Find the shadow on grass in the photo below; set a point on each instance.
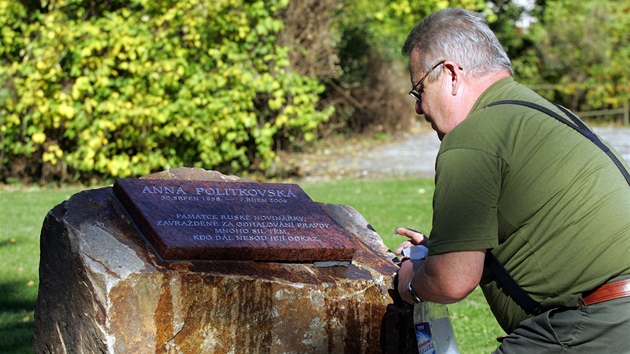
(16, 320)
(5, 243)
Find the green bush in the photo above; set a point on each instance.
(127, 88)
(583, 49)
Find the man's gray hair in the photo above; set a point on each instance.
(461, 36)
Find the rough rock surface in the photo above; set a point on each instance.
(102, 289)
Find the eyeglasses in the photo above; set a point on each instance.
(417, 94)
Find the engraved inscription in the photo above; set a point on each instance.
(216, 220)
(246, 227)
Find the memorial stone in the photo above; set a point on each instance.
(103, 289)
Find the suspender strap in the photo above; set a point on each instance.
(578, 125)
(516, 292)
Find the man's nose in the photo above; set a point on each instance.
(419, 108)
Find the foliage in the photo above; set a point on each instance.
(370, 95)
(583, 48)
(503, 21)
(126, 88)
(389, 22)
(112, 89)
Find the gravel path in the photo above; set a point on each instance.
(413, 156)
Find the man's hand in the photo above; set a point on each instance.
(415, 238)
(443, 278)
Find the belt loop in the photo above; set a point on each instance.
(581, 301)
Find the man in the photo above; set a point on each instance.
(548, 203)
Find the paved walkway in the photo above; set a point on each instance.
(414, 156)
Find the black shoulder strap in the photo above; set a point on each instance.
(578, 125)
(515, 291)
(504, 278)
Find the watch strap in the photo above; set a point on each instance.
(413, 294)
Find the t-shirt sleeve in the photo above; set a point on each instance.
(467, 188)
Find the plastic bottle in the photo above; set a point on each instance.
(434, 331)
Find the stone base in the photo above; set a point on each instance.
(102, 289)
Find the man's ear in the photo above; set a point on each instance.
(456, 74)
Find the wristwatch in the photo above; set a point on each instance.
(413, 294)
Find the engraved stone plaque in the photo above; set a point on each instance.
(244, 221)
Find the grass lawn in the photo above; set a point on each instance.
(385, 204)
(22, 213)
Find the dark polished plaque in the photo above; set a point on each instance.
(245, 221)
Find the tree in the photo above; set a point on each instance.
(370, 94)
(505, 20)
(584, 50)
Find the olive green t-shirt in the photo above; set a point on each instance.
(552, 206)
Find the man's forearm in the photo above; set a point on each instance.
(449, 277)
